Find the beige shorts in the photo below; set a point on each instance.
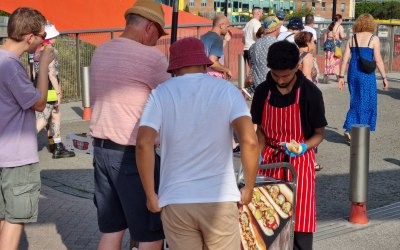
(202, 226)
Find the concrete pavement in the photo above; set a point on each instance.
(67, 216)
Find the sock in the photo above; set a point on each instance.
(57, 139)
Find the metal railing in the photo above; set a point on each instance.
(76, 48)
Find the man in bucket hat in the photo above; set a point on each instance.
(195, 114)
(123, 72)
(259, 51)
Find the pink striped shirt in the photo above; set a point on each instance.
(122, 74)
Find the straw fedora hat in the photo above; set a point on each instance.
(150, 10)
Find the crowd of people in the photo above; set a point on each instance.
(186, 193)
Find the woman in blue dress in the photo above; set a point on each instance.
(362, 86)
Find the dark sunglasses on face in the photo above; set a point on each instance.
(43, 36)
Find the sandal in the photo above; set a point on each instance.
(318, 167)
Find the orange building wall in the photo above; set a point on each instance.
(95, 14)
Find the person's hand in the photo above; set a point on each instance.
(152, 203)
(341, 84)
(385, 84)
(228, 74)
(59, 97)
(291, 154)
(47, 55)
(246, 195)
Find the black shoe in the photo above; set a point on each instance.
(61, 152)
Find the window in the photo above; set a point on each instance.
(204, 3)
(342, 7)
(303, 5)
(191, 3)
(323, 6)
(313, 6)
(331, 6)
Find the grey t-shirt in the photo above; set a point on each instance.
(214, 45)
(17, 120)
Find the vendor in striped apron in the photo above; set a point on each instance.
(287, 106)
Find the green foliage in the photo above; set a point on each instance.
(3, 13)
(385, 10)
(299, 13)
(186, 8)
(199, 13)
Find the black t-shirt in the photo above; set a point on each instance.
(312, 110)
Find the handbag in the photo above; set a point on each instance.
(366, 66)
(338, 51)
(51, 95)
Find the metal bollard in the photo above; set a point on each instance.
(241, 71)
(85, 79)
(359, 168)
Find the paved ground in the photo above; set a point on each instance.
(67, 216)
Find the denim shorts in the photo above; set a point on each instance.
(19, 196)
(120, 198)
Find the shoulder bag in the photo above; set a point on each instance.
(366, 66)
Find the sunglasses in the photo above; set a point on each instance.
(43, 36)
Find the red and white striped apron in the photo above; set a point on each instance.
(283, 125)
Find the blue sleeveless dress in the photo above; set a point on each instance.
(363, 92)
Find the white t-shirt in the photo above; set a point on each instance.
(289, 36)
(312, 30)
(193, 114)
(250, 31)
(282, 29)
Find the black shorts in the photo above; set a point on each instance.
(119, 195)
(246, 56)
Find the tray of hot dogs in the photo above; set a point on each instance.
(267, 221)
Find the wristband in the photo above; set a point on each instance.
(341, 77)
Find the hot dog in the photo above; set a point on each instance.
(281, 198)
(294, 147)
(250, 234)
(264, 213)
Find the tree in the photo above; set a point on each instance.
(385, 10)
(186, 8)
(300, 13)
(3, 13)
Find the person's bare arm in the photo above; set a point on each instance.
(145, 159)
(379, 62)
(249, 154)
(346, 58)
(42, 84)
(307, 66)
(341, 32)
(316, 138)
(260, 138)
(219, 67)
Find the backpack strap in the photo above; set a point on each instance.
(288, 36)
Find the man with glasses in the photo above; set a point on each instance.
(214, 47)
(19, 99)
(123, 72)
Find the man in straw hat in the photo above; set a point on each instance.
(123, 72)
(195, 114)
(19, 99)
(259, 50)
